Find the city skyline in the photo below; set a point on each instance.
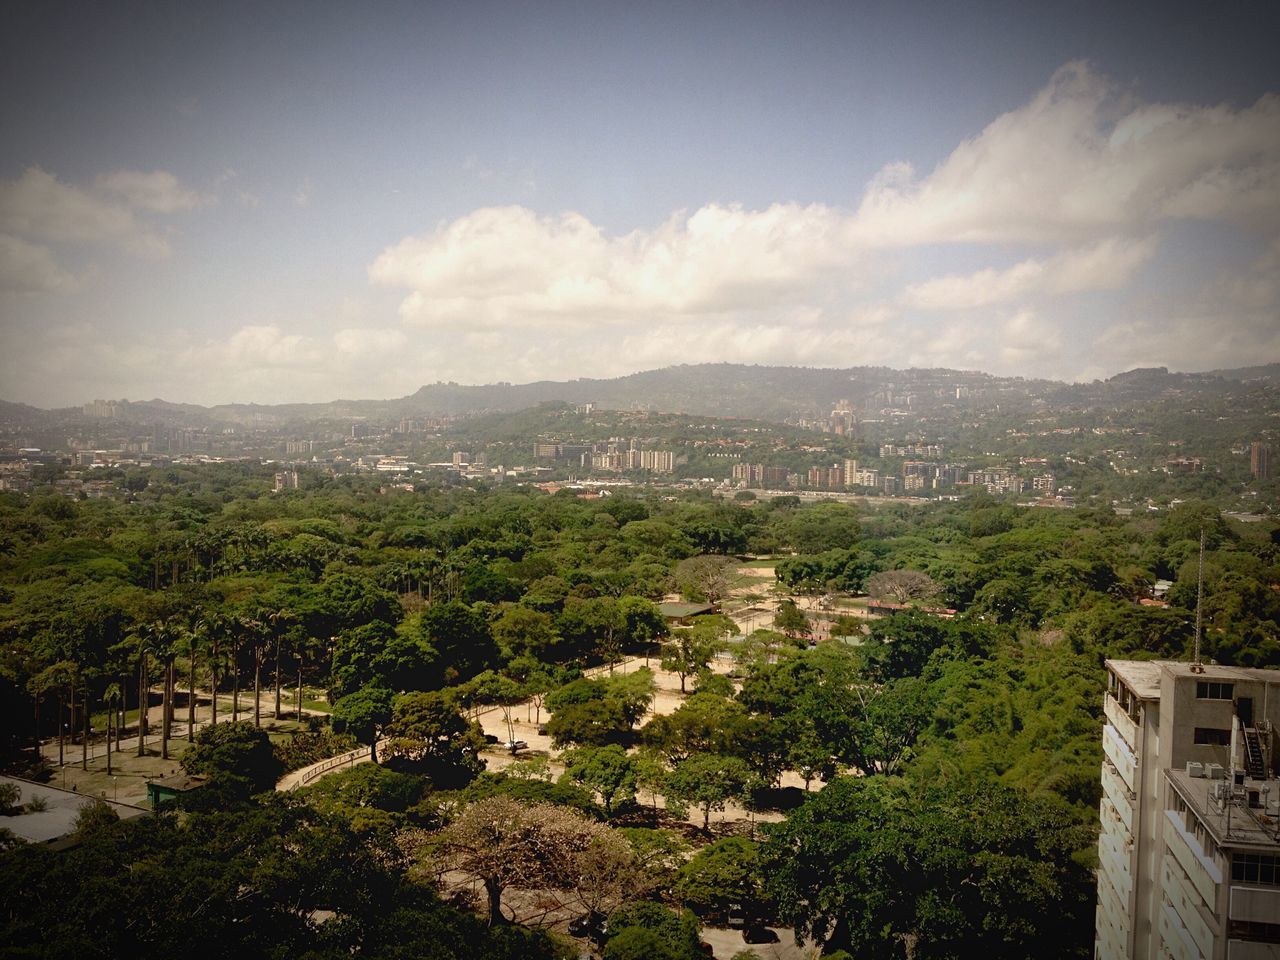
(297, 204)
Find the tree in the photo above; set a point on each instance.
(707, 782)
(823, 526)
(607, 770)
(363, 714)
(461, 640)
(521, 631)
(790, 619)
(650, 931)
(901, 585)
(427, 731)
(642, 622)
(705, 577)
(494, 688)
(687, 653)
(726, 872)
(237, 757)
(501, 842)
(878, 866)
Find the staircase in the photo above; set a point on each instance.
(1253, 754)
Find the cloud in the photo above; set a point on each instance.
(1233, 321)
(30, 268)
(1080, 161)
(507, 265)
(157, 191)
(367, 342)
(37, 205)
(1027, 341)
(1106, 265)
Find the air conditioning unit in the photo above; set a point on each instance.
(1213, 771)
(1195, 769)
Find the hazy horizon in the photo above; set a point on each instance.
(569, 380)
(298, 203)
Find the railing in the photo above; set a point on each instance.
(320, 769)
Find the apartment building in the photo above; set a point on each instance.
(1189, 852)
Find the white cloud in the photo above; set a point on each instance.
(1107, 265)
(506, 265)
(37, 205)
(369, 342)
(30, 268)
(1078, 161)
(158, 191)
(1233, 321)
(1027, 341)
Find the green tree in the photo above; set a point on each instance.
(707, 782)
(725, 872)
(874, 866)
(363, 714)
(608, 771)
(427, 732)
(237, 758)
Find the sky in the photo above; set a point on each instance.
(283, 202)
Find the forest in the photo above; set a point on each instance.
(922, 783)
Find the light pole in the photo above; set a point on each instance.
(115, 788)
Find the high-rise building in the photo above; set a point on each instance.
(1189, 853)
(1260, 460)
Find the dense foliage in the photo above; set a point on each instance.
(970, 717)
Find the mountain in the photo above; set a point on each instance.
(707, 389)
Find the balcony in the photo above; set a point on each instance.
(1121, 755)
(1254, 904)
(1121, 721)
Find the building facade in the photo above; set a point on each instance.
(1189, 851)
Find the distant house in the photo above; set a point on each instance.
(683, 612)
(170, 788)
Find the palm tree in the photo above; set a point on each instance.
(218, 626)
(161, 638)
(111, 696)
(258, 638)
(279, 621)
(192, 637)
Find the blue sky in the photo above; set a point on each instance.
(299, 202)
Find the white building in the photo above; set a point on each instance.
(1189, 852)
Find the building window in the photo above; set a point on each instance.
(1207, 690)
(1256, 868)
(1213, 737)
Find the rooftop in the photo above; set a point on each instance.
(1143, 676)
(1248, 827)
(58, 817)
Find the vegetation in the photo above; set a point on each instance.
(949, 764)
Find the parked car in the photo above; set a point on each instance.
(759, 933)
(490, 738)
(542, 729)
(706, 949)
(594, 925)
(516, 745)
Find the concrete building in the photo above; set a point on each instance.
(1260, 460)
(1189, 852)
